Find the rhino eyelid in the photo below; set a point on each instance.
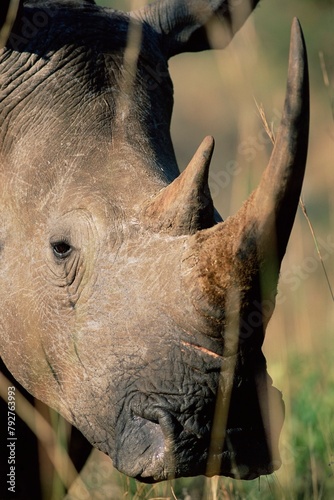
(61, 249)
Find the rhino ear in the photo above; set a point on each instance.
(195, 25)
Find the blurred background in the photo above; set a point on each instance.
(218, 93)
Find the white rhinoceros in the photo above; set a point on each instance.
(127, 304)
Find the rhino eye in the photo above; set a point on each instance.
(61, 249)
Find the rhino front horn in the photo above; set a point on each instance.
(185, 206)
(244, 253)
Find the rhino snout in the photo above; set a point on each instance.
(157, 440)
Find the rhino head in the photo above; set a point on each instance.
(127, 304)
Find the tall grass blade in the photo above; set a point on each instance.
(303, 207)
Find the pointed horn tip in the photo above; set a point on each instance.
(297, 43)
(295, 22)
(296, 26)
(201, 160)
(298, 78)
(209, 140)
(208, 143)
(206, 148)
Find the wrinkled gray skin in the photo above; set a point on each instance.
(123, 321)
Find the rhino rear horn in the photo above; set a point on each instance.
(185, 206)
(189, 25)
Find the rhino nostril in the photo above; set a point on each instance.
(164, 430)
(162, 418)
(170, 427)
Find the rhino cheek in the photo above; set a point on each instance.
(35, 342)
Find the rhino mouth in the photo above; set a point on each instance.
(153, 450)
